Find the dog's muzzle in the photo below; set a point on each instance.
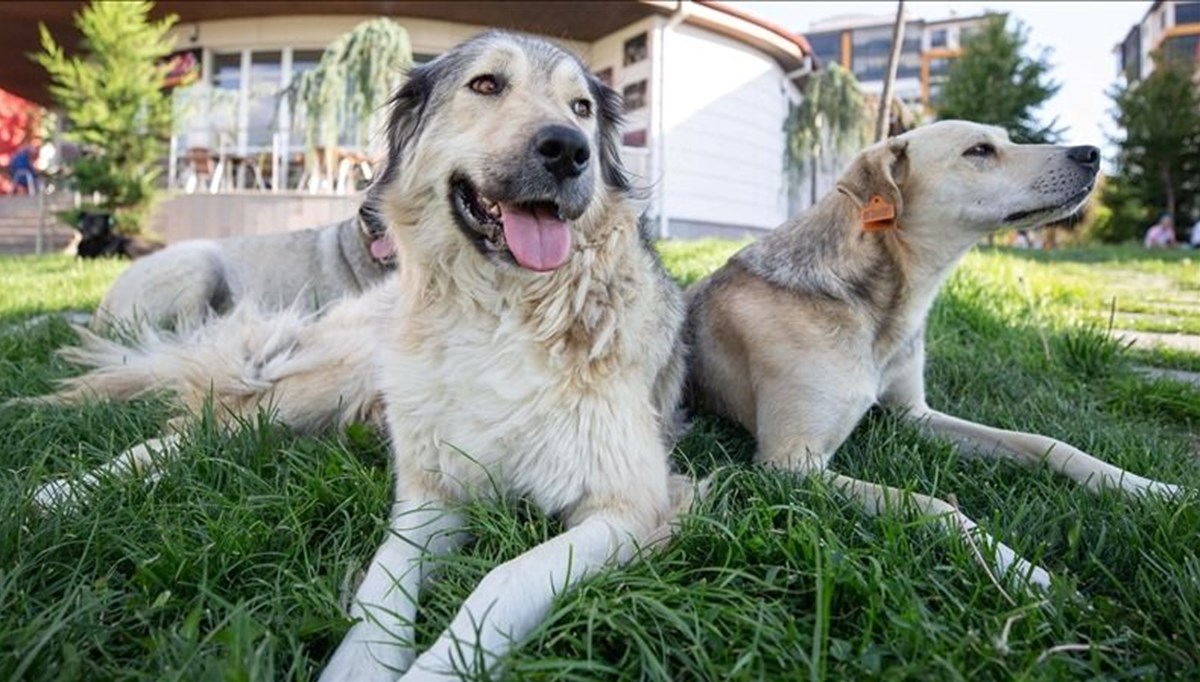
(524, 215)
(1063, 190)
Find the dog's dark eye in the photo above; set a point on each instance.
(582, 108)
(982, 149)
(486, 84)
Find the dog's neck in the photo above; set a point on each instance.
(573, 311)
(827, 253)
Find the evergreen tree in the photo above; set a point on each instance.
(113, 97)
(995, 82)
(1158, 156)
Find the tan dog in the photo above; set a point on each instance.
(803, 331)
(530, 345)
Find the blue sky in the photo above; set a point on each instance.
(1081, 36)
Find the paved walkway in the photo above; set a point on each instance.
(1179, 375)
(1187, 342)
(1148, 340)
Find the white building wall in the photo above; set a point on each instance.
(724, 108)
(608, 54)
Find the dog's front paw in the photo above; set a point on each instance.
(1162, 489)
(367, 654)
(1144, 487)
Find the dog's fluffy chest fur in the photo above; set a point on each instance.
(525, 391)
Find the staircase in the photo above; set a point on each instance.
(20, 217)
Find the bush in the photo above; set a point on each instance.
(1118, 216)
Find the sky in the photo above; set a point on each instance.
(1081, 36)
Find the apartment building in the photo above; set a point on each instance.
(1170, 27)
(862, 44)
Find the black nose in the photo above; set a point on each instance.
(1086, 156)
(564, 151)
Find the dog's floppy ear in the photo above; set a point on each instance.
(608, 121)
(877, 172)
(405, 121)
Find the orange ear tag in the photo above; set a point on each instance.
(878, 215)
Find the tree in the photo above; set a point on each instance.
(1159, 155)
(357, 73)
(113, 97)
(832, 116)
(995, 82)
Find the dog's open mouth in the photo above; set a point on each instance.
(1049, 214)
(534, 233)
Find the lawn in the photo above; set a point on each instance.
(232, 564)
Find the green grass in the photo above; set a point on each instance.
(231, 565)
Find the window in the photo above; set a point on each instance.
(1187, 13)
(1182, 49)
(937, 38)
(605, 76)
(224, 97)
(873, 47)
(1131, 56)
(635, 95)
(265, 87)
(827, 47)
(939, 67)
(636, 49)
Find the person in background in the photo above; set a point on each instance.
(1161, 235)
(23, 168)
(1194, 237)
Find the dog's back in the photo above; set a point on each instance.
(191, 281)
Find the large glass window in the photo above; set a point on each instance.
(266, 84)
(223, 98)
(302, 61)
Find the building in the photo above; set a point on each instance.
(1170, 27)
(862, 44)
(706, 86)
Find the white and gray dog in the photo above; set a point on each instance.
(529, 345)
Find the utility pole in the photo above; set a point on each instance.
(885, 101)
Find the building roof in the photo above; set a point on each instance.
(581, 20)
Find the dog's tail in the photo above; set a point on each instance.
(309, 370)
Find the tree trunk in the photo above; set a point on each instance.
(885, 101)
(1169, 190)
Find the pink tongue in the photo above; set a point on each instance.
(538, 240)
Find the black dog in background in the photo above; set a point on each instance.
(99, 240)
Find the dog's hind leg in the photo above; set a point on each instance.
(877, 499)
(1031, 449)
(381, 645)
(143, 459)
